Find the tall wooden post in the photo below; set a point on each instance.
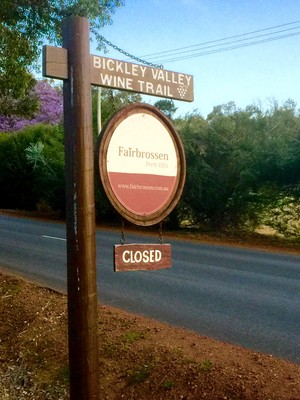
(81, 246)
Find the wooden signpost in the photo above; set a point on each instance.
(79, 70)
(80, 214)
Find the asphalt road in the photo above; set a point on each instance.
(246, 297)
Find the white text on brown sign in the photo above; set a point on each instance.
(135, 257)
(122, 75)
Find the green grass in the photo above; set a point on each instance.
(139, 374)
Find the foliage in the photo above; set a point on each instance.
(39, 20)
(15, 80)
(167, 107)
(32, 168)
(232, 156)
(24, 26)
(50, 109)
(283, 212)
(35, 155)
(51, 103)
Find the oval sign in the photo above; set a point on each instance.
(142, 164)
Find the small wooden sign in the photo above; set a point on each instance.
(137, 257)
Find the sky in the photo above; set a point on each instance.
(252, 74)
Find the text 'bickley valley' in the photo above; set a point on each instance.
(142, 79)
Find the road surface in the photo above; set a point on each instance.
(245, 297)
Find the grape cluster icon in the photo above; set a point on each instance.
(182, 89)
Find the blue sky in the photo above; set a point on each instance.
(248, 75)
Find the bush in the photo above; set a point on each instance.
(283, 213)
(32, 168)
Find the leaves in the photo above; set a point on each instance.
(232, 156)
(44, 99)
(25, 25)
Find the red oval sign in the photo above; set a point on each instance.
(142, 164)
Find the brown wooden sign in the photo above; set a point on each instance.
(136, 257)
(122, 75)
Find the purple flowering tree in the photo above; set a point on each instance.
(50, 109)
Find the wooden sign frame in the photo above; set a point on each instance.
(103, 144)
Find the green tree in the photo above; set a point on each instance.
(281, 149)
(24, 26)
(242, 165)
(15, 80)
(281, 192)
(221, 178)
(167, 107)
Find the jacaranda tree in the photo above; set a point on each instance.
(50, 109)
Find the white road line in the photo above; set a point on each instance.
(53, 237)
